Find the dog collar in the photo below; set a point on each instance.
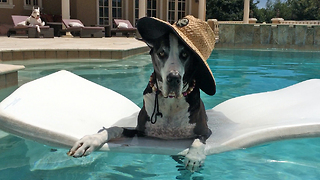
(155, 89)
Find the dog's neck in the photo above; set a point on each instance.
(188, 88)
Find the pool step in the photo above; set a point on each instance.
(9, 75)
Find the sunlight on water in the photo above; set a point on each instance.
(237, 72)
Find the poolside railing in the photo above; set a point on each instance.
(301, 22)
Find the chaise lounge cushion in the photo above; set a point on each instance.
(123, 25)
(75, 24)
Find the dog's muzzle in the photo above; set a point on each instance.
(174, 80)
(173, 84)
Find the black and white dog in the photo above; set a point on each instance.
(172, 106)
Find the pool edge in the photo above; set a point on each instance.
(26, 54)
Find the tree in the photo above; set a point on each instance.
(265, 14)
(305, 9)
(227, 10)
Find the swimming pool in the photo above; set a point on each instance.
(237, 72)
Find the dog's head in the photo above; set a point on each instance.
(35, 13)
(173, 64)
(179, 53)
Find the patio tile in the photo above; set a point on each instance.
(17, 55)
(28, 55)
(95, 54)
(117, 54)
(106, 54)
(84, 54)
(51, 54)
(11, 79)
(7, 56)
(73, 54)
(39, 55)
(62, 54)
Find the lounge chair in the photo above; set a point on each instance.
(76, 28)
(31, 31)
(124, 27)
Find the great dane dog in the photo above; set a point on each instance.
(172, 107)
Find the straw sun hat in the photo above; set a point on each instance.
(195, 33)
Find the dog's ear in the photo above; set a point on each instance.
(151, 30)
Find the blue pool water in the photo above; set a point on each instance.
(237, 72)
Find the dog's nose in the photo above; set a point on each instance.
(174, 79)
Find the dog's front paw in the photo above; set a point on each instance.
(87, 144)
(196, 156)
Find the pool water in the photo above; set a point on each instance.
(237, 72)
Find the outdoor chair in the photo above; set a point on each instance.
(123, 27)
(31, 31)
(76, 28)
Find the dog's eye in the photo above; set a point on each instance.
(184, 55)
(162, 54)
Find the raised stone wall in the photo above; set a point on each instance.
(269, 36)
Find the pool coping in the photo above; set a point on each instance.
(9, 68)
(27, 54)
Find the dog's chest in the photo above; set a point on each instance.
(34, 21)
(174, 123)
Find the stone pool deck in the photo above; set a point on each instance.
(22, 48)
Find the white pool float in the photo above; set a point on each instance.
(60, 108)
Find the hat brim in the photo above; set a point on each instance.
(151, 29)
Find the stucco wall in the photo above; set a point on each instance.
(5, 14)
(51, 7)
(195, 9)
(86, 11)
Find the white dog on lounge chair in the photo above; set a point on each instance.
(34, 19)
